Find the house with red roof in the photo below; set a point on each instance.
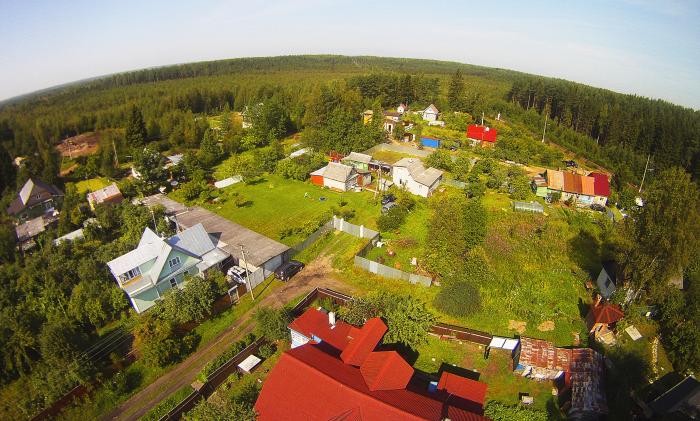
(601, 188)
(483, 134)
(586, 190)
(601, 319)
(339, 374)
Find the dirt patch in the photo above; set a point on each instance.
(546, 326)
(517, 326)
(80, 145)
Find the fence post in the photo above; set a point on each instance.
(362, 231)
(342, 224)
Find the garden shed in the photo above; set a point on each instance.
(528, 207)
(430, 142)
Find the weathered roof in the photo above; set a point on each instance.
(604, 313)
(555, 179)
(572, 183)
(539, 181)
(32, 192)
(311, 383)
(71, 236)
(685, 394)
(471, 390)
(588, 186)
(419, 173)
(34, 227)
(338, 172)
(358, 157)
(103, 194)
(392, 113)
(230, 235)
(175, 159)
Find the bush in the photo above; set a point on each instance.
(498, 411)
(392, 220)
(439, 159)
(190, 304)
(458, 299)
(158, 344)
(272, 323)
(266, 350)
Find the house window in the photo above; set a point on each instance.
(173, 282)
(174, 262)
(130, 274)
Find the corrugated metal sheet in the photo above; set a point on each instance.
(588, 186)
(555, 180)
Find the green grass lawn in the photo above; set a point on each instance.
(275, 203)
(91, 184)
(390, 157)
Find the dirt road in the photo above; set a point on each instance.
(318, 273)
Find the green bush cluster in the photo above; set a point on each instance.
(217, 362)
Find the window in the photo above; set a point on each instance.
(173, 282)
(174, 262)
(130, 274)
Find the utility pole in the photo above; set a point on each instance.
(247, 278)
(545, 126)
(645, 173)
(482, 118)
(116, 157)
(155, 227)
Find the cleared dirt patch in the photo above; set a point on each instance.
(546, 326)
(517, 326)
(80, 145)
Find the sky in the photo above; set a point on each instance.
(644, 47)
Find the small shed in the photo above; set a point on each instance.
(430, 142)
(250, 362)
(528, 207)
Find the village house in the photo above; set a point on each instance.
(402, 108)
(109, 194)
(607, 279)
(159, 264)
(35, 198)
(339, 177)
(579, 188)
(681, 401)
(430, 114)
(27, 231)
(578, 374)
(410, 174)
(359, 161)
(486, 136)
(338, 371)
(601, 320)
(367, 116)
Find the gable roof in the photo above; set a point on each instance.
(314, 322)
(338, 172)
(105, 193)
(478, 132)
(386, 370)
(310, 383)
(27, 195)
(601, 184)
(195, 240)
(418, 172)
(471, 390)
(685, 394)
(358, 157)
(364, 342)
(431, 109)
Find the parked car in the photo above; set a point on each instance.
(597, 207)
(287, 270)
(388, 199)
(571, 164)
(388, 206)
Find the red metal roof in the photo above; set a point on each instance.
(315, 323)
(605, 313)
(363, 343)
(601, 185)
(463, 387)
(386, 371)
(310, 383)
(476, 132)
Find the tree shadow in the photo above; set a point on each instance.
(585, 252)
(256, 181)
(408, 354)
(459, 371)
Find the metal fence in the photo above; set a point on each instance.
(359, 231)
(389, 272)
(299, 247)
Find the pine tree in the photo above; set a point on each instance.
(136, 132)
(455, 92)
(209, 150)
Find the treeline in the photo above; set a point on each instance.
(670, 133)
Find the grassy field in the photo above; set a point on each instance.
(91, 184)
(275, 203)
(390, 157)
(539, 267)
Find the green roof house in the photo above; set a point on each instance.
(159, 264)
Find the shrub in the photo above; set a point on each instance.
(217, 362)
(458, 299)
(439, 159)
(272, 323)
(498, 411)
(266, 350)
(158, 344)
(392, 220)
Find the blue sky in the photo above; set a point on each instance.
(650, 48)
